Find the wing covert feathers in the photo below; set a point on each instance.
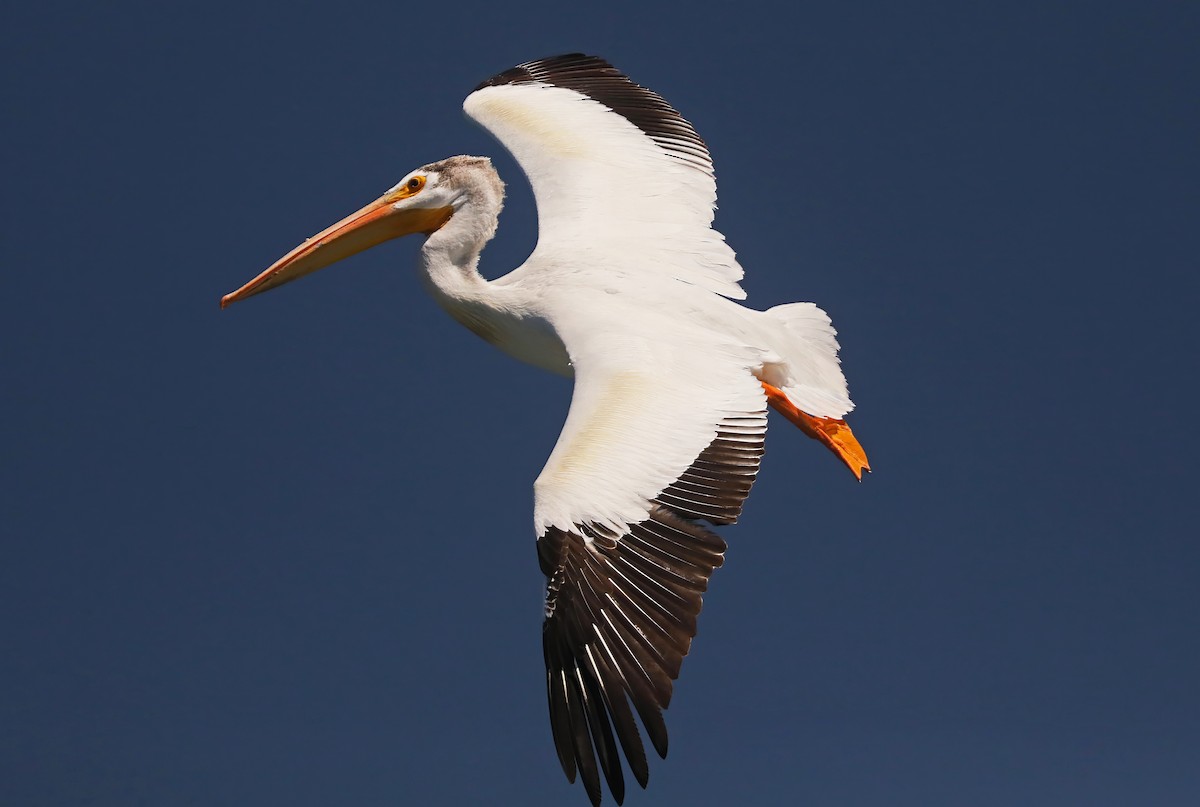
(621, 611)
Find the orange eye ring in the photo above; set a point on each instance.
(415, 184)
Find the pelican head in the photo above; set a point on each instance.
(422, 202)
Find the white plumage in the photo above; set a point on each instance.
(632, 292)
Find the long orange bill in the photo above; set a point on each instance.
(374, 224)
(834, 434)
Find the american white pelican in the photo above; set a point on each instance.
(632, 292)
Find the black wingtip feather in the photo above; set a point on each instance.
(558, 698)
(581, 738)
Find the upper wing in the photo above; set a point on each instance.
(657, 438)
(610, 160)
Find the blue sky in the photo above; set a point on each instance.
(283, 553)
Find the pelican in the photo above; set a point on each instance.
(631, 292)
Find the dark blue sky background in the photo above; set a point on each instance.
(283, 554)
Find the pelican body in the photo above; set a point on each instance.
(632, 293)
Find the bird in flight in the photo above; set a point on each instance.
(633, 293)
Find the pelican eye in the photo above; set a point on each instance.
(415, 184)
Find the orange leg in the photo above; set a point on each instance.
(834, 433)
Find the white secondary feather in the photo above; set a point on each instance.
(602, 183)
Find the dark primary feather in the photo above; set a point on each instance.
(621, 611)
